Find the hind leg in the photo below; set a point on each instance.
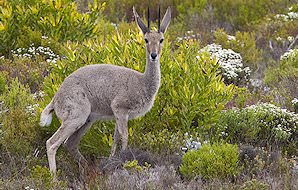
(64, 132)
(72, 143)
(54, 142)
(74, 112)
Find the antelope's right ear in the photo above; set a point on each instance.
(139, 21)
(165, 21)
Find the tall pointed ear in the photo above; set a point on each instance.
(139, 21)
(166, 21)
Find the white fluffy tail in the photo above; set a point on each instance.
(46, 115)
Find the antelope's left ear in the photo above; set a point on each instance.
(166, 21)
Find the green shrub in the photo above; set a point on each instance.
(19, 130)
(163, 142)
(192, 91)
(217, 161)
(16, 95)
(3, 78)
(24, 22)
(43, 179)
(132, 166)
(98, 140)
(260, 125)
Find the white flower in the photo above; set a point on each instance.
(114, 25)
(292, 53)
(291, 8)
(230, 38)
(292, 15)
(294, 101)
(32, 51)
(291, 38)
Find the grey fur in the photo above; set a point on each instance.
(103, 92)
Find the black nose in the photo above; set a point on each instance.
(153, 55)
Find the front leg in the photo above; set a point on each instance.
(115, 141)
(121, 116)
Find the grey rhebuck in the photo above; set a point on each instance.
(105, 92)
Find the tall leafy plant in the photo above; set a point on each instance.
(24, 22)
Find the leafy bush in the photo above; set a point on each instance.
(43, 179)
(132, 166)
(260, 125)
(191, 90)
(19, 127)
(216, 161)
(25, 22)
(164, 142)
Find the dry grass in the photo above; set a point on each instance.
(109, 174)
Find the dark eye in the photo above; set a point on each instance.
(146, 41)
(161, 40)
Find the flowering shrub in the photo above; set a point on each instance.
(230, 62)
(33, 51)
(290, 16)
(261, 125)
(211, 161)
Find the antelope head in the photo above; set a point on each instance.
(153, 39)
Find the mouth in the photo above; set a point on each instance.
(153, 60)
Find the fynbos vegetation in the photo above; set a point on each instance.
(224, 114)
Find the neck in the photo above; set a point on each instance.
(152, 74)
